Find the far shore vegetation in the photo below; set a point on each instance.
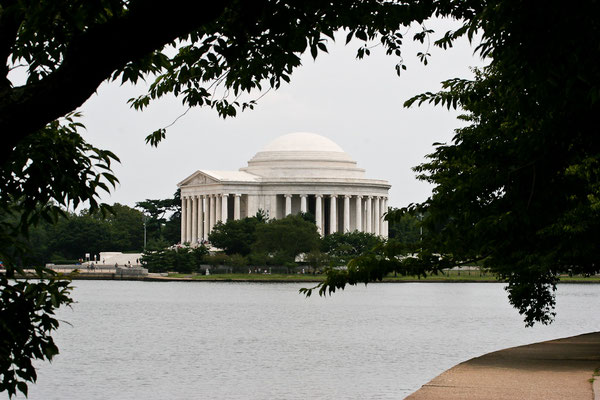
(453, 276)
(250, 249)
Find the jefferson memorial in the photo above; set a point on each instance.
(297, 172)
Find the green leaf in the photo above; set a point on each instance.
(156, 137)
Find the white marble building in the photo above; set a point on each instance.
(295, 172)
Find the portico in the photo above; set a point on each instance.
(299, 172)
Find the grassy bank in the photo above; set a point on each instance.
(251, 277)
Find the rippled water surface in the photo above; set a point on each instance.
(203, 340)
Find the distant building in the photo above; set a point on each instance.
(295, 172)
(116, 257)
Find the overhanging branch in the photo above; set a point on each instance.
(93, 57)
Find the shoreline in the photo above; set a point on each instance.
(294, 279)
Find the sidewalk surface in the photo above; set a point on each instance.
(557, 369)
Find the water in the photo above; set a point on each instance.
(192, 340)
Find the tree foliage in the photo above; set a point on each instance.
(517, 189)
(255, 240)
(126, 228)
(405, 228)
(182, 259)
(317, 260)
(342, 247)
(38, 179)
(27, 316)
(285, 238)
(162, 219)
(236, 236)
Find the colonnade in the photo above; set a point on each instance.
(369, 212)
(200, 213)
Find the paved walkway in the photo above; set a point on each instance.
(557, 369)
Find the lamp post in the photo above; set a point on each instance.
(145, 219)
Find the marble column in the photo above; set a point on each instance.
(194, 220)
(384, 231)
(369, 216)
(288, 204)
(377, 218)
(183, 218)
(303, 207)
(206, 206)
(359, 213)
(218, 208)
(200, 218)
(237, 208)
(346, 213)
(273, 210)
(333, 214)
(188, 221)
(213, 212)
(252, 205)
(319, 213)
(224, 207)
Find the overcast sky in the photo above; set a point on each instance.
(355, 103)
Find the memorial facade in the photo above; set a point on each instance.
(297, 172)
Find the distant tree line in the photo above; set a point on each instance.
(79, 233)
(252, 241)
(163, 221)
(119, 229)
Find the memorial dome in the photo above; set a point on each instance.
(303, 141)
(303, 155)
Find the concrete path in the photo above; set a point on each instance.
(557, 369)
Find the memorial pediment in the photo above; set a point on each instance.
(202, 179)
(199, 178)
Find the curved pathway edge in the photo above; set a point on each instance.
(555, 369)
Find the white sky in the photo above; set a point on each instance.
(355, 103)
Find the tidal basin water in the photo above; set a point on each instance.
(203, 340)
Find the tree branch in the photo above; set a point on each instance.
(93, 57)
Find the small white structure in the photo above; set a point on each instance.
(297, 172)
(116, 257)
